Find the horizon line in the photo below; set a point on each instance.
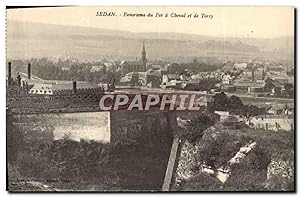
(166, 32)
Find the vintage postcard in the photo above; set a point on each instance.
(145, 98)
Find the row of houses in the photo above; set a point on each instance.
(266, 122)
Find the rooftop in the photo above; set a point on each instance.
(250, 84)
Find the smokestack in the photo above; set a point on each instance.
(253, 75)
(74, 87)
(29, 70)
(9, 72)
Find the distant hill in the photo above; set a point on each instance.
(27, 40)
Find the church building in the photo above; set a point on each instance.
(135, 66)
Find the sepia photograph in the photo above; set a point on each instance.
(150, 99)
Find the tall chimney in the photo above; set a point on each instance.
(253, 75)
(9, 72)
(29, 70)
(74, 87)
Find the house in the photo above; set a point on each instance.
(240, 65)
(174, 84)
(289, 109)
(153, 77)
(250, 86)
(275, 110)
(281, 109)
(226, 79)
(65, 68)
(191, 85)
(260, 105)
(274, 87)
(41, 88)
(201, 101)
(168, 77)
(273, 123)
(61, 87)
(223, 115)
(110, 65)
(259, 74)
(132, 66)
(247, 75)
(134, 78)
(276, 69)
(228, 66)
(98, 68)
(280, 78)
(150, 78)
(156, 66)
(104, 86)
(228, 88)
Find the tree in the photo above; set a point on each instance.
(175, 68)
(236, 105)
(269, 85)
(197, 125)
(15, 138)
(220, 102)
(289, 90)
(251, 110)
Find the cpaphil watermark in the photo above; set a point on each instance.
(166, 102)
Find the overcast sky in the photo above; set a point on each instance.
(254, 22)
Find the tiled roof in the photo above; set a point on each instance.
(134, 63)
(69, 86)
(63, 86)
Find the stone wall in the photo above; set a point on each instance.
(55, 126)
(54, 103)
(106, 127)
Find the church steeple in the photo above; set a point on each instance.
(144, 58)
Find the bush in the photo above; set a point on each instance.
(195, 128)
(202, 182)
(15, 139)
(217, 148)
(73, 165)
(243, 179)
(35, 167)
